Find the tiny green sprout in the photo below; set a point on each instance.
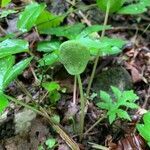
(114, 106)
(114, 5)
(74, 56)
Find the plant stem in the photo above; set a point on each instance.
(95, 124)
(82, 106)
(74, 90)
(97, 57)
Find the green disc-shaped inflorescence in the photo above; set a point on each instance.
(74, 56)
(115, 5)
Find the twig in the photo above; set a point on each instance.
(95, 124)
(23, 89)
(97, 146)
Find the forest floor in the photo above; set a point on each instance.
(129, 70)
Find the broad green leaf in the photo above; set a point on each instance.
(70, 32)
(50, 142)
(6, 64)
(3, 102)
(112, 117)
(7, 12)
(92, 29)
(133, 9)
(105, 97)
(4, 3)
(116, 92)
(29, 16)
(123, 114)
(103, 105)
(13, 46)
(131, 105)
(48, 46)
(146, 118)
(144, 131)
(49, 59)
(51, 86)
(74, 56)
(47, 20)
(17, 69)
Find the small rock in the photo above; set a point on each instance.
(23, 120)
(114, 76)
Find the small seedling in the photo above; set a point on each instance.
(144, 129)
(53, 91)
(114, 106)
(50, 144)
(75, 56)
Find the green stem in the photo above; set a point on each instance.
(82, 105)
(97, 57)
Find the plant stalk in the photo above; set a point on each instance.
(82, 107)
(97, 57)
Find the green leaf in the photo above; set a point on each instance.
(129, 96)
(6, 64)
(92, 29)
(133, 9)
(13, 46)
(54, 97)
(144, 131)
(49, 59)
(47, 20)
(131, 105)
(146, 118)
(112, 117)
(17, 69)
(110, 46)
(7, 12)
(105, 97)
(123, 114)
(3, 102)
(51, 86)
(116, 92)
(29, 16)
(48, 46)
(115, 5)
(74, 56)
(4, 3)
(93, 45)
(70, 32)
(50, 143)
(103, 105)
(145, 2)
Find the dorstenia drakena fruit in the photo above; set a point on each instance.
(115, 5)
(74, 56)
